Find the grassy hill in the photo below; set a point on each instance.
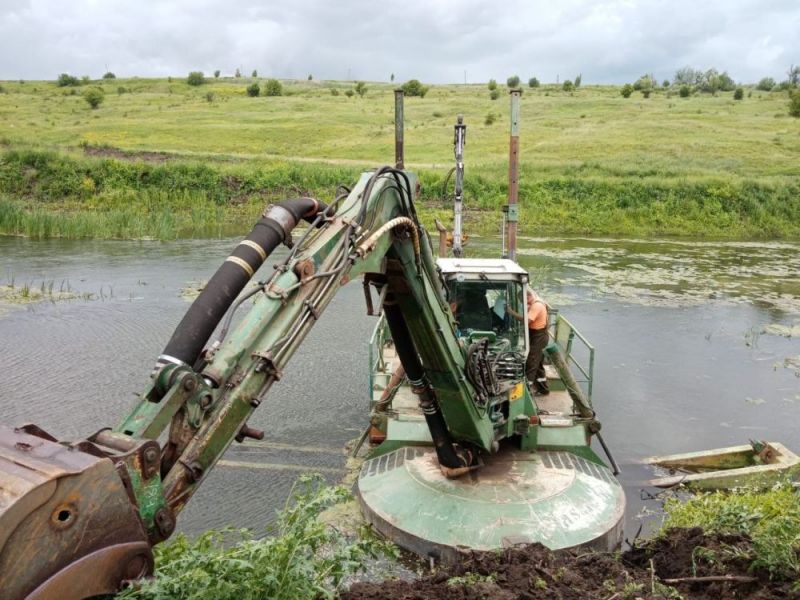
(171, 159)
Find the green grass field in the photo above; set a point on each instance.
(591, 161)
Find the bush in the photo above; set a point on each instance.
(494, 94)
(413, 87)
(349, 93)
(361, 88)
(578, 80)
(567, 86)
(254, 73)
(626, 90)
(273, 87)
(646, 93)
(685, 91)
(490, 119)
(253, 90)
(334, 92)
(513, 81)
(738, 94)
(65, 80)
(196, 78)
(210, 97)
(237, 74)
(109, 75)
(665, 83)
(121, 90)
(533, 82)
(766, 84)
(216, 74)
(94, 97)
(794, 104)
(492, 85)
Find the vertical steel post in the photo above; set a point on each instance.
(459, 141)
(399, 160)
(513, 177)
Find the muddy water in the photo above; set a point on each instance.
(694, 350)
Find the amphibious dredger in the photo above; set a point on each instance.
(461, 453)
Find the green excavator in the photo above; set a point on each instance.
(461, 453)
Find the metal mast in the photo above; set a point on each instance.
(459, 141)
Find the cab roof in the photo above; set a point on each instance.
(487, 266)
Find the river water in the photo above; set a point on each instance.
(698, 346)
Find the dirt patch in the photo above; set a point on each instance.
(111, 152)
(648, 572)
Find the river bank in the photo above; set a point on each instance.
(109, 194)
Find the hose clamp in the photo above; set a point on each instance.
(282, 217)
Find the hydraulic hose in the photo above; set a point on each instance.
(275, 226)
(449, 455)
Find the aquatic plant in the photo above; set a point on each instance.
(302, 558)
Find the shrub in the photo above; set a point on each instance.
(492, 85)
(109, 75)
(349, 93)
(413, 87)
(490, 119)
(216, 74)
(665, 83)
(685, 91)
(567, 86)
(210, 97)
(794, 75)
(361, 88)
(196, 78)
(254, 73)
(513, 81)
(253, 90)
(334, 92)
(391, 77)
(237, 74)
(766, 84)
(738, 94)
(533, 82)
(494, 94)
(66, 79)
(646, 92)
(310, 77)
(94, 97)
(626, 90)
(794, 104)
(121, 90)
(578, 80)
(273, 87)
(86, 79)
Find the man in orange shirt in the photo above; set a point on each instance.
(537, 341)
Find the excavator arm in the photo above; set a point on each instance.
(79, 518)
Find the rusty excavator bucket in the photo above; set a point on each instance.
(68, 525)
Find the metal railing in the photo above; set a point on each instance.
(565, 334)
(376, 343)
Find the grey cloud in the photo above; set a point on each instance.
(609, 41)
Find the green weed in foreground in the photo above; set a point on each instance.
(771, 519)
(303, 559)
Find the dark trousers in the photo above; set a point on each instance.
(534, 366)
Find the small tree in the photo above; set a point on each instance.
(533, 82)
(237, 74)
(494, 94)
(568, 86)
(665, 83)
(513, 81)
(196, 78)
(626, 90)
(794, 104)
(492, 85)
(738, 94)
(216, 74)
(273, 87)
(391, 78)
(334, 92)
(578, 80)
(66, 79)
(413, 87)
(94, 97)
(361, 88)
(109, 75)
(253, 90)
(646, 93)
(685, 91)
(794, 75)
(766, 84)
(310, 77)
(254, 73)
(349, 93)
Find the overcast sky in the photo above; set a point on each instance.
(608, 41)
